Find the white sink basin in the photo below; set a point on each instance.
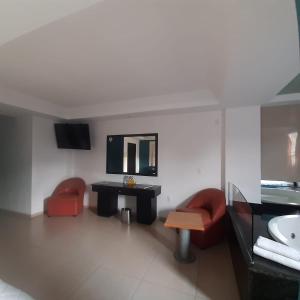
(286, 230)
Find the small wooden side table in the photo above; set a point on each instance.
(185, 222)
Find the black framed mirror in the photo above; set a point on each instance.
(132, 154)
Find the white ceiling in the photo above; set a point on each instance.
(130, 56)
(20, 17)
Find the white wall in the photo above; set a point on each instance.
(50, 165)
(189, 156)
(15, 164)
(242, 151)
(31, 164)
(189, 153)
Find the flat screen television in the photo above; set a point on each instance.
(72, 136)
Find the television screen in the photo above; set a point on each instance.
(73, 136)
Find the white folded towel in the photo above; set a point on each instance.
(8, 292)
(277, 258)
(278, 248)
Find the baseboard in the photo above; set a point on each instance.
(36, 214)
(31, 216)
(16, 213)
(162, 219)
(45, 212)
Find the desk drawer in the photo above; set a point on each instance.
(127, 191)
(134, 192)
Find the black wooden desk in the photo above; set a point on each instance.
(146, 201)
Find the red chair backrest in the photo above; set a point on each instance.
(212, 200)
(72, 185)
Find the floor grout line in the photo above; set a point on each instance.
(143, 276)
(70, 242)
(196, 280)
(84, 280)
(167, 286)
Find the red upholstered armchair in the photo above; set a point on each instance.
(67, 198)
(211, 204)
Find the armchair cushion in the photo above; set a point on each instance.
(213, 200)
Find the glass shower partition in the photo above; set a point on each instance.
(242, 216)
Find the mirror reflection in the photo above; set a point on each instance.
(132, 154)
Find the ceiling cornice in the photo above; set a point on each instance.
(30, 103)
(163, 103)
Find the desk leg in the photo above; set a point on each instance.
(146, 210)
(183, 254)
(107, 203)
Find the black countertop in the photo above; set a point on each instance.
(120, 185)
(127, 189)
(263, 265)
(257, 263)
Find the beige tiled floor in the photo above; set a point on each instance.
(89, 257)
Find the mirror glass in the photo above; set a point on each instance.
(280, 145)
(132, 154)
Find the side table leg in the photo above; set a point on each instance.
(183, 254)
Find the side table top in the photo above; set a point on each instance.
(184, 220)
